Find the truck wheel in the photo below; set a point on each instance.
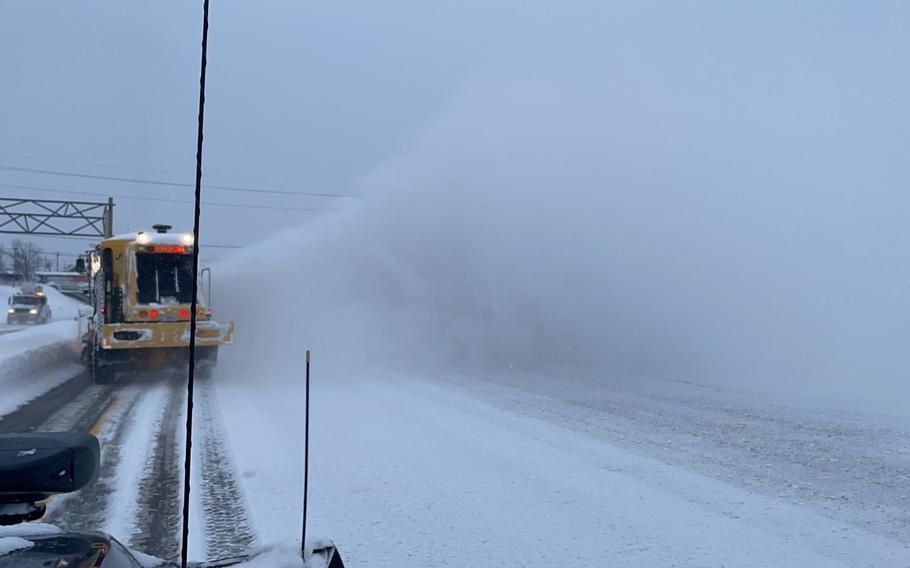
(102, 375)
(207, 354)
(86, 355)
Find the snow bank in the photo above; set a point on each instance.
(37, 358)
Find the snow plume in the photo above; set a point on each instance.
(634, 229)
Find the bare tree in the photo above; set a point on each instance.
(26, 259)
(3, 255)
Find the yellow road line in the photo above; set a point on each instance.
(96, 428)
(102, 420)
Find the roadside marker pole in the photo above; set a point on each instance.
(306, 456)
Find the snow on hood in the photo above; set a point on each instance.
(28, 529)
(13, 543)
(171, 238)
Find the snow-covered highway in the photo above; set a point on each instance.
(508, 472)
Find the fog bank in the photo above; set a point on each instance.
(604, 229)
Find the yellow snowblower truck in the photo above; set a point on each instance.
(141, 287)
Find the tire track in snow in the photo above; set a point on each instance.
(158, 518)
(88, 509)
(226, 525)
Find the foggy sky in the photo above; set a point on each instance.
(680, 188)
(315, 95)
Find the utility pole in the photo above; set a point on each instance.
(109, 219)
(58, 261)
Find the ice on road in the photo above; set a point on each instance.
(415, 473)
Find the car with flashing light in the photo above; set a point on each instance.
(28, 306)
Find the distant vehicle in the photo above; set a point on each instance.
(142, 288)
(28, 306)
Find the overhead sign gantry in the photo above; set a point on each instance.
(58, 218)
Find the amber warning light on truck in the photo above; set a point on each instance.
(167, 248)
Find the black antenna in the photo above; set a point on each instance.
(184, 545)
(306, 455)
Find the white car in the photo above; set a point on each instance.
(28, 308)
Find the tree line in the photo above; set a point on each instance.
(24, 258)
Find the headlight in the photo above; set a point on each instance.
(142, 238)
(33, 311)
(186, 239)
(10, 311)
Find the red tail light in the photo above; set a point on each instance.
(102, 310)
(153, 314)
(184, 313)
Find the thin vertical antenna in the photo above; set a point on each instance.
(306, 456)
(184, 544)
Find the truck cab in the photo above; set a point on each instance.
(28, 306)
(142, 291)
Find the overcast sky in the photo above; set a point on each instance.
(311, 96)
(302, 96)
(690, 188)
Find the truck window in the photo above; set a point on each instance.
(164, 278)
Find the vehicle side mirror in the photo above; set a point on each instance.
(37, 465)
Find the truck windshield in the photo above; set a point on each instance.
(26, 300)
(164, 278)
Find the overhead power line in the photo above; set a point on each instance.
(170, 183)
(156, 199)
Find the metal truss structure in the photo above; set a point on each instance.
(58, 218)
